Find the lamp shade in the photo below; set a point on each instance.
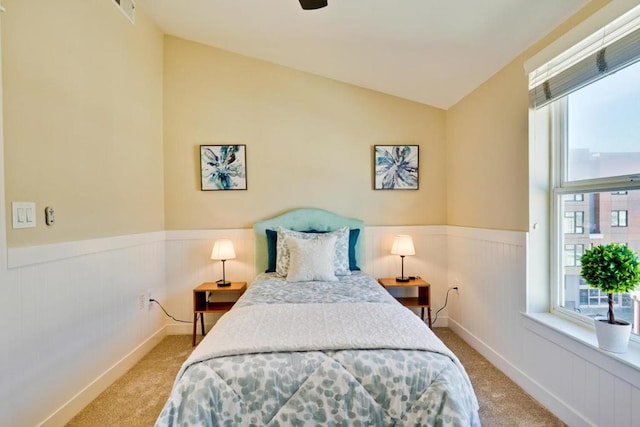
(223, 250)
(403, 245)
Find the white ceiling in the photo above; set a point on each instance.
(431, 51)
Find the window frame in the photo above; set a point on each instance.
(560, 186)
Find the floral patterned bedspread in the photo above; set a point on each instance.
(357, 287)
(346, 387)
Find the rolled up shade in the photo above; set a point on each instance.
(610, 49)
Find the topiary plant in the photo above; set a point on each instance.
(612, 268)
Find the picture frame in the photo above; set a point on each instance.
(223, 167)
(396, 167)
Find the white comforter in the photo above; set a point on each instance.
(308, 327)
(319, 357)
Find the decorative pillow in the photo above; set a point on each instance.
(341, 258)
(353, 240)
(282, 251)
(311, 259)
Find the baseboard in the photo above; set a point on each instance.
(559, 408)
(65, 413)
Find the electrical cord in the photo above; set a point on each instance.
(165, 312)
(446, 300)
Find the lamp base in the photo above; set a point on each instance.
(402, 279)
(222, 283)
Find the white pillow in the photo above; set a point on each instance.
(311, 259)
(341, 253)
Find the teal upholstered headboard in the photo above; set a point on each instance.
(302, 220)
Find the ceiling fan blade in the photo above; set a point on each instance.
(312, 4)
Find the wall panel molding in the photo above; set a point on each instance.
(30, 255)
(488, 265)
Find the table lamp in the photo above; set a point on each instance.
(223, 250)
(402, 245)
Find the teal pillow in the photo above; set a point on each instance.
(353, 239)
(272, 240)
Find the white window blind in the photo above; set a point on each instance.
(606, 51)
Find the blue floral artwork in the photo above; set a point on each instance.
(396, 167)
(223, 167)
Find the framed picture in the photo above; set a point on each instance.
(223, 167)
(395, 167)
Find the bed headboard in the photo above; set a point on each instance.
(303, 220)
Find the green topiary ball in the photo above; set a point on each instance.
(612, 268)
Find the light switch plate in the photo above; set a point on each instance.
(24, 214)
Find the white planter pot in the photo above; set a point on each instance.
(613, 338)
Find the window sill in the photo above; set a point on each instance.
(581, 341)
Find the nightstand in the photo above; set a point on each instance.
(204, 297)
(423, 300)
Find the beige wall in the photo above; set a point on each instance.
(309, 142)
(83, 119)
(89, 98)
(487, 169)
(487, 154)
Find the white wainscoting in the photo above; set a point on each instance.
(72, 323)
(188, 264)
(429, 262)
(581, 384)
(72, 318)
(490, 269)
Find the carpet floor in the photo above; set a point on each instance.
(137, 397)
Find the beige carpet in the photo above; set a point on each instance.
(502, 402)
(138, 396)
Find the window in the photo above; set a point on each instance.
(586, 125)
(618, 218)
(573, 294)
(574, 222)
(572, 254)
(593, 128)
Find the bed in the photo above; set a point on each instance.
(316, 341)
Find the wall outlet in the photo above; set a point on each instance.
(149, 299)
(140, 301)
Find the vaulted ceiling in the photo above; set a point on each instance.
(430, 51)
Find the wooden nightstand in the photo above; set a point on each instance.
(423, 300)
(202, 304)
